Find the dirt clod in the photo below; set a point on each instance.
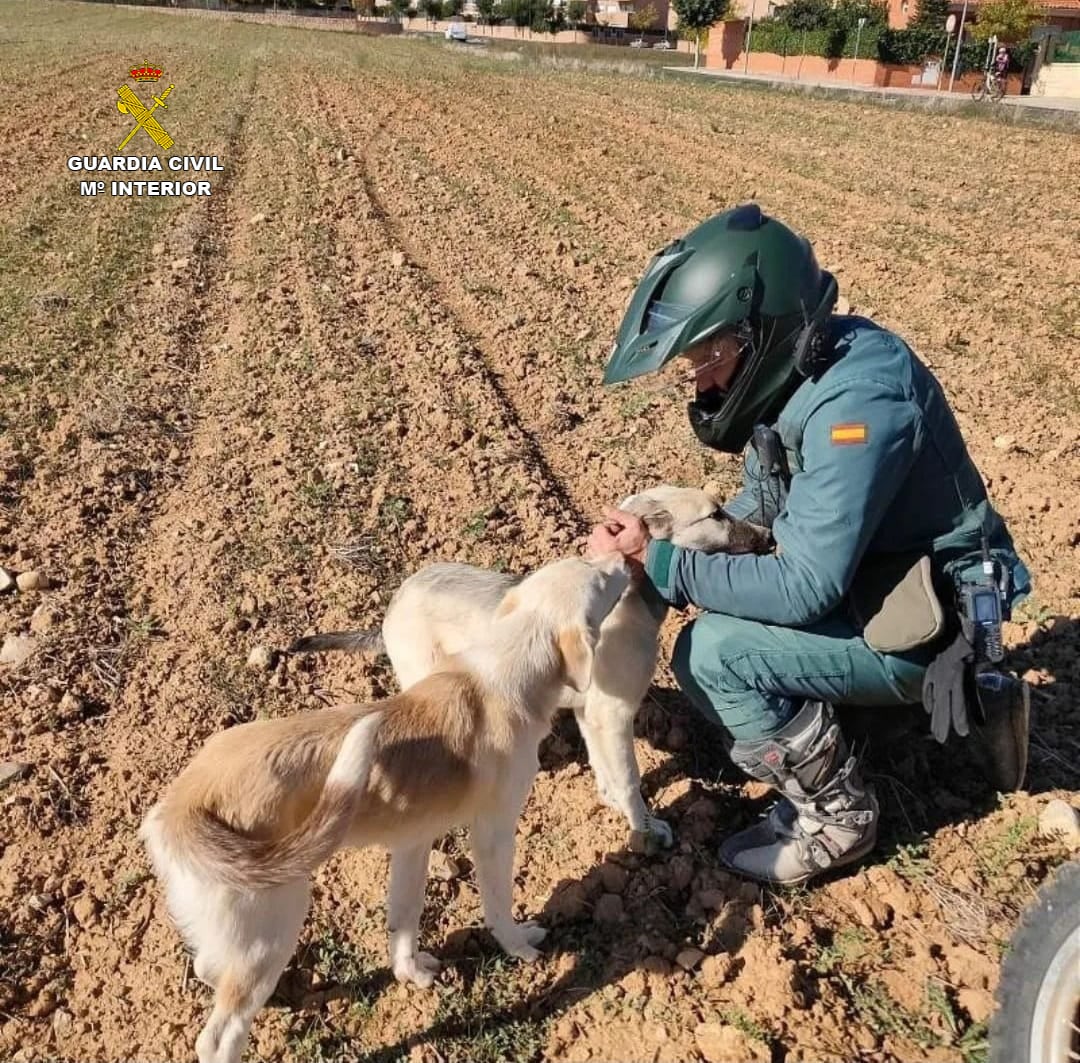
(718, 1043)
(608, 909)
(85, 910)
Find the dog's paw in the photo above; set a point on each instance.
(657, 835)
(661, 830)
(522, 940)
(420, 969)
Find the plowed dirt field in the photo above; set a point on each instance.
(228, 421)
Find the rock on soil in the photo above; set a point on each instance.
(17, 648)
(1061, 820)
(688, 959)
(444, 868)
(33, 581)
(261, 659)
(12, 770)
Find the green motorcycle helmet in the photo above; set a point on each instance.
(744, 271)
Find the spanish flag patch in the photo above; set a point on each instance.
(847, 434)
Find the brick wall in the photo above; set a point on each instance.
(725, 52)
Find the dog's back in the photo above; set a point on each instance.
(440, 611)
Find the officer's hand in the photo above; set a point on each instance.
(621, 532)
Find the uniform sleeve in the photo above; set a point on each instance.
(858, 446)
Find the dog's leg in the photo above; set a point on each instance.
(408, 876)
(597, 758)
(492, 839)
(612, 722)
(257, 934)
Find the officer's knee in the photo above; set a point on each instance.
(703, 646)
(703, 661)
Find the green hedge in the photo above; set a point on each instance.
(833, 43)
(905, 47)
(917, 45)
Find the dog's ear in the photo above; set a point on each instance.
(657, 518)
(715, 491)
(576, 649)
(507, 605)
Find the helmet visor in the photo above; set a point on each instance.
(661, 315)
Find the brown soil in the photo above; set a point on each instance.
(378, 343)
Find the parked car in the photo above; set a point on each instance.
(662, 44)
(456, 31)
(639, 43)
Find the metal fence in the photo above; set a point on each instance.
(1067, 47)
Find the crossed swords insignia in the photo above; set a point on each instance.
(129, 103)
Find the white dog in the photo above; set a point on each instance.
(446, 607)
(238, 833)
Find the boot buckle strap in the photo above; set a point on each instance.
(852, 819)
(818, 850)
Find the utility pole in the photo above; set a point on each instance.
(959, 41)
(749, 33)
(855, 61)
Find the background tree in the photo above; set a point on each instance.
(642, 19)
(451, 8)
(519, 12)
(556, 19)
(699, 15)
(1011, 21)
(930, 15)
(576, 11)
(804, 15)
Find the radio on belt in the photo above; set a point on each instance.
(982, 604)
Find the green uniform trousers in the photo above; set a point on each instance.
(751, 678)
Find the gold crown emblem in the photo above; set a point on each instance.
(146, 72)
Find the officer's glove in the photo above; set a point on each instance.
(946, 686)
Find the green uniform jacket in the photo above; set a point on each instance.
(878, 466)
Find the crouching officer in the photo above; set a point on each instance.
(891, 574)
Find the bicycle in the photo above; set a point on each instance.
(990, 86)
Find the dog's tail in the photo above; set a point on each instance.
(349, 641)
(195, 836)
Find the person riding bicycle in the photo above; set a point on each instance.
(881, 522)
(1001, 65)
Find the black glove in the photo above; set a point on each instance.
(946, 686)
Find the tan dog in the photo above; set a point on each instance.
(446, 606)
(238, 833)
